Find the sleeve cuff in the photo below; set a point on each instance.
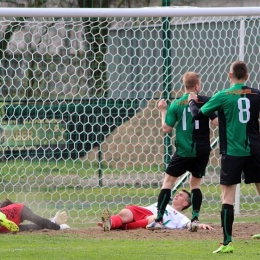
(191, 101)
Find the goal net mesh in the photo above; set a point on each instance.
(80, 127)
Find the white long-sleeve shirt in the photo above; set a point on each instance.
(172, 218)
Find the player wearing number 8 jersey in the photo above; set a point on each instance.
(192, 149)
(238, 111)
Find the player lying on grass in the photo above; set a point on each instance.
(133, 216)
(13, 214)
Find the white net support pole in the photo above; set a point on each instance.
(241, 57)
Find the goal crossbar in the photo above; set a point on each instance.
(130, 12)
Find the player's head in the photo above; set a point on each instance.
(238, 71)
(182, 200)
(191, 82)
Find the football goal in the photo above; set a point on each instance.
(80, 128)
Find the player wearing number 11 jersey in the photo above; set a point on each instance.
(238, 112)
(192, 149)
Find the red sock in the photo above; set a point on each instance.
(137, 224)
(116, 222)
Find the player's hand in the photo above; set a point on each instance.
(162, 105)
(61, 217)
(205, 226)
(192, 95)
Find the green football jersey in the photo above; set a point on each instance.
(192, 137)
(238, 111)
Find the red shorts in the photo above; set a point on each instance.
(13, 213)
(139, 212)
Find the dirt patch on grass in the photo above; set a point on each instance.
(240, 231)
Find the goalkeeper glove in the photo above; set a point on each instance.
(64, 226)
(60, 217)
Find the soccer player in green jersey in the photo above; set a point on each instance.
(238, 112)
(192, 149)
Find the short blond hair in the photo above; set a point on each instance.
(190, 79)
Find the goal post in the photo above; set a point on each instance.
(80, 128)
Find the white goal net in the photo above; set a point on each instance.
(80, 128)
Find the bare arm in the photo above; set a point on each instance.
(162, 106)
(202, 226)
